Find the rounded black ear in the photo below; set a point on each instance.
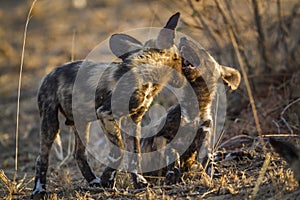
(123, 45)
(166, 36)
(188, 52)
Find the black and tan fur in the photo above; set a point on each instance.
(290, 153)
(203, 73)
(149, 66)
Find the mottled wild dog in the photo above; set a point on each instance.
(146, 69)
(290, 153)
(203, 73)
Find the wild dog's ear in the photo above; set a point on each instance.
(192, 56)
(123, 45)
(286, 150)
(230, 76)
(188, 53)
(166, 36)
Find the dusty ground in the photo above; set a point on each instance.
(57, 26)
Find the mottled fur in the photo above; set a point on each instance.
(202, 73)
(148, 67)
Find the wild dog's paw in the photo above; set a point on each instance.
(108, 184)
(139, 181)
(108, 178)
(37, 196)
(173, 177)
(103, 112)
(96, 182)
(39, 190)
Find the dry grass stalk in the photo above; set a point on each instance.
(12, 186)
(261, 175)
(255, 115)
(19, 87)
(73, 46)
(251, 99)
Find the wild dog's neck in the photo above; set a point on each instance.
(204, 94)
(139, 58)
(165, 57)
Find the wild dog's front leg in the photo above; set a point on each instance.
(134, 158)
(135, 166)
(203, 145)
(173, 175)
(81, 159)
(49, 130)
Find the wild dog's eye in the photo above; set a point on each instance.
(175, 57)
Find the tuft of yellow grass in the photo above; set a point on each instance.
(13, 186)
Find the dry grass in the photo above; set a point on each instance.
(273, 78)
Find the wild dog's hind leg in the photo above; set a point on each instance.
(115, 158)
(81, 159)
(112, 131)
(173, 175)
(200, 146)
(48, 132)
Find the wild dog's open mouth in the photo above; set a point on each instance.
(186, 65)
(186, 62)
(188, 55)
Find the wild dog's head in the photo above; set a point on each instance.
(290, 153)
(197, 64)
(160, 50)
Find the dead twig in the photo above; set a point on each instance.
(255, 115)
(284, 110)
(262, 172)
(238, 137)
(19, 87)
(281, 135)
(289, 105)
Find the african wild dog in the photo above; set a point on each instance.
(202, 72)
(290, 153)
(148, 67)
